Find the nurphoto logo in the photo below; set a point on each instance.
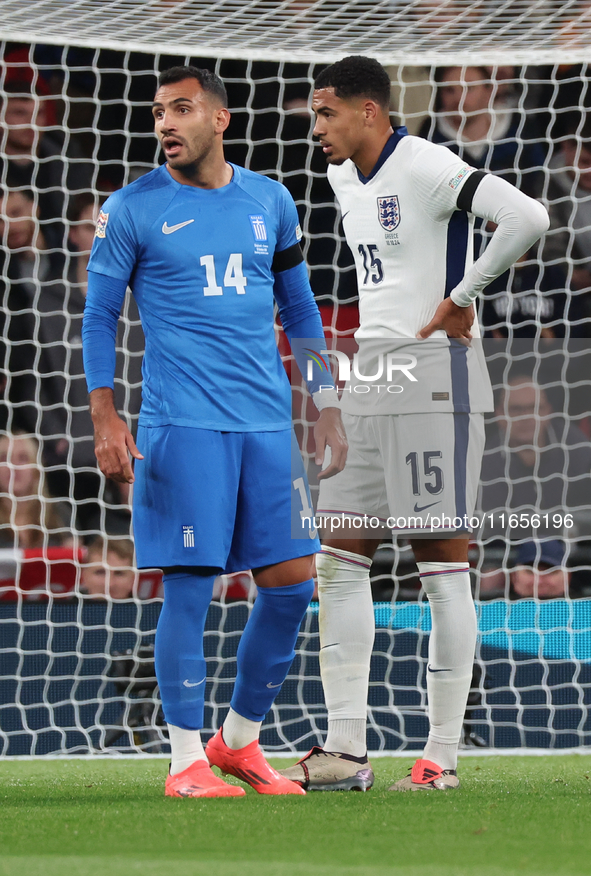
(385, 366)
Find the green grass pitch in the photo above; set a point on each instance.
(529, 816)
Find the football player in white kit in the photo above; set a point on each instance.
(416, 436)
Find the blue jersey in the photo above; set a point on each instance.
(199, 263)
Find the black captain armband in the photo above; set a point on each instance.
(287, 258)
(468, 190)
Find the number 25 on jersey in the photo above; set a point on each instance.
(233, 276)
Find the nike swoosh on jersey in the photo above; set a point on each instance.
(424, 507)
(170, 229)
(188, 683)
(275, 685)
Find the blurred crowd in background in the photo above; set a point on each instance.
(75, 125)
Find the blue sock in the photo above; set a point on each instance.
(180, 664)
(266, 649)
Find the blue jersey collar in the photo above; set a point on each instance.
(386, 152)
(164, 170)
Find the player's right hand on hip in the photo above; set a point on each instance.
(455, 321)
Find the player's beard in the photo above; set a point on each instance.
(333, 159)
(198, 152)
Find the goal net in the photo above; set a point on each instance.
(506, 85)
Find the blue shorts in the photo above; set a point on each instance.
(228, 500)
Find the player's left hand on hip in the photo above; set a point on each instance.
(455, 321)
(329, 431)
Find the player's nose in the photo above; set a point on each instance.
(166, 124)
(318, 127)
(167, 131)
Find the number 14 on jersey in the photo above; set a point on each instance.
(233, 276)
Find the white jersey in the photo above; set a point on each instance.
(411, 247)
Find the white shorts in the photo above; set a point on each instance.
(417, 474)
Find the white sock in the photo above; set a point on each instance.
(451, 656)
(347, 631)
(238, 732)
(185, 748)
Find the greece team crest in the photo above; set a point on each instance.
(259, 229)
(389, 212)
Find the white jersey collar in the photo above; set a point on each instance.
(391, 144)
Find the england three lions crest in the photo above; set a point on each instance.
(389, 212)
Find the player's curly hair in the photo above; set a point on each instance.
(357, 76)
(209, 81)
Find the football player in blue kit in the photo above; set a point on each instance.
(207, 248)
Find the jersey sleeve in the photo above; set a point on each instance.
(99, 328)
(289, 232)
(114, 251)
(520, 221)
(438, 176)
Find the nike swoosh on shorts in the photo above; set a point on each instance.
(424, 508)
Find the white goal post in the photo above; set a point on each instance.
(420, 32)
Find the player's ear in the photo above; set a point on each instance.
(221, 119)
(370, 111)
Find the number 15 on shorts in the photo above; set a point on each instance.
(428, 475)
